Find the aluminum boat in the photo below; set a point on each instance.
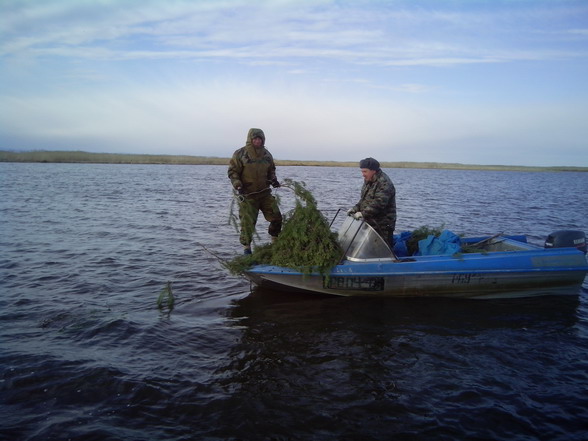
(505, 266)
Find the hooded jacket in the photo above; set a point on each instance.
(252, 168)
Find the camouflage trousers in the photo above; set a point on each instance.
(248, 212)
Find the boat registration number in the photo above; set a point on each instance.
(355, 283)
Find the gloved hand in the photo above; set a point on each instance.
(358, 215)
(275, 183)
(350, 212)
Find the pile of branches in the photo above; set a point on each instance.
(306, 243)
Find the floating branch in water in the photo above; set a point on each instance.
(166, 297)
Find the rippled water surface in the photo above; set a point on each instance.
(85, 353)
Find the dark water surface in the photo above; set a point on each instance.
(85, 354)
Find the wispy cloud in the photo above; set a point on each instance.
(267, 30)
(581, 32)
(324, 77)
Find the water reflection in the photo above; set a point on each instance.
(331, 363)
(361, 313)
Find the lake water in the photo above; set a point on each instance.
(86, 354)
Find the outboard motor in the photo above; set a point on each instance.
(567, 238)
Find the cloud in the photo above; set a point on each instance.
(578, 32)
(263, 31)
(213, 121)
(325, 79)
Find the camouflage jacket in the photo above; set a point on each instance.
(378, 201)
(252, 168)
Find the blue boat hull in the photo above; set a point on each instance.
(531, 272)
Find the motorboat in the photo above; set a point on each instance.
(501, 266)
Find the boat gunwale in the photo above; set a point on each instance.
(520, 259)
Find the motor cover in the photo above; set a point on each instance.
(567, 238)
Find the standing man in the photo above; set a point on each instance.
(377, 205)
(252, 171)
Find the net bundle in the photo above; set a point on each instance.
(306, 243)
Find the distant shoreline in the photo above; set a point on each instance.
(80, 157)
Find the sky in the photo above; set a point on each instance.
(458, 81)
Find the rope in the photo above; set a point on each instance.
(240, 197)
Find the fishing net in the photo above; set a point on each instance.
(306, 243)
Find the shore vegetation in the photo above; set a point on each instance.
(81, 157)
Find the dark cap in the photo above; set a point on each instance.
(369, 163)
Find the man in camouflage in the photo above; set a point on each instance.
(251, 171)
(377, 205)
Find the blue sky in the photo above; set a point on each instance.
(476, 82)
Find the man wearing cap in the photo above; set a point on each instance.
(252, 170)
(377, 205)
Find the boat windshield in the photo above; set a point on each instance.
(361, 242)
